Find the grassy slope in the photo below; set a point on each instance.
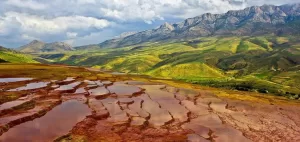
(264, 63)
(15, 57)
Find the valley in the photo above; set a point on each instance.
(266, 64)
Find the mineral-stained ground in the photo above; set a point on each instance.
(56, 103)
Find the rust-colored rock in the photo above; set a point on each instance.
(137, 121)
(198, 129)
(99, 111)
(126, 100)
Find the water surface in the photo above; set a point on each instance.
(11, 104)
(68, 86)
(31, 86)
(55, 123)
(8, 80)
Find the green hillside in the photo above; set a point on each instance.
(260, 63)
(10, 56)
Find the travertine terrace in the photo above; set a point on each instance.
(109, 109)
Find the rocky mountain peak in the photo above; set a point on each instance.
(35, 42)
(207, 16)
(126, 34)
(39, 46)
(167, 26)
(255, 20)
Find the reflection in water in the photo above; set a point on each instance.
(68, 86)
(31, 86)
(80, 91)
(55, 123)
(8, 80)
(117, 116)
(97, 92)
(159, 116)
(11, 104)
(124, 90)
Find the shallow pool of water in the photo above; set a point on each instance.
(68, 86)
(55, 123)
(31, 86)
(8, 80)
(11, 104)
(124, 90)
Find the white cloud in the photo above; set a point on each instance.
(71, 35)
(86, 1)
(55, 25)
(2, 31)
(93, 38)
(26, 27)
(32, 25)
(151, 10)
(275, 2)
(26, 4)
(70, 41)
(83, 21)
(30, 38)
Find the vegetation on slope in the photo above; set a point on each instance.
(10, 56)
(267, 64)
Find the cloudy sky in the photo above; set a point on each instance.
(82, 22)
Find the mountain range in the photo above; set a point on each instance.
(251, 21)
(39, 46)
(255, 20)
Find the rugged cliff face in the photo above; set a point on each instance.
(266, 19)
